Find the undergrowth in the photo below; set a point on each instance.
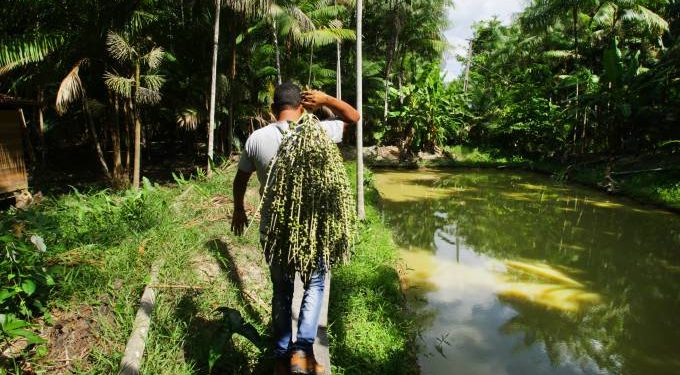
(100, 246)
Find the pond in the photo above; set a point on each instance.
(513, 273)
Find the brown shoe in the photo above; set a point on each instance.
(282, 366)
(302, 363)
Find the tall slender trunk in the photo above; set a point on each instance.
(275, 33)
(361, 213)
(138, 133)
(391, 53)
(338, 71)
(127, 125)
(95, 139)
(213, 89)
(583, 131)
(311, 62)
(574, 15)
(467, 67)
(232, 94)
(338, 67)
(41, 124)
(116, 144)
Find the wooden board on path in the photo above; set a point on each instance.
(321, 343)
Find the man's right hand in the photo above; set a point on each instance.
(239, 221)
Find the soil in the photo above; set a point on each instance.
(72, 336)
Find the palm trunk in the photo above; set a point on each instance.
(338, 67)
(95, 140)
(388, 71)
(575, 24)
(213, 89)
(391, 54)
(311, 62)
(232, 94)
(116, 145)
(338, 72)
(361, 213)
(41, 124)
(138, 133)
(127, 125)
(275, 33)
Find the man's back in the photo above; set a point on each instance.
(262, 146)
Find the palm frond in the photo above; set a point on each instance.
(301, 18)
(141, 19)
(330, 11)
(267, 71)
(247, 7)
(118, 84)
(336, 24)
(152, 81)
(147, 96)
(559, 54)
(606, 14)
(154, 58)
(324, 37)
(646, 18)
(188, 118)
(22, 51)
(70, 89)
(119, 48)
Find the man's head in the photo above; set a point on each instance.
(287, 96)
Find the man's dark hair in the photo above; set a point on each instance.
(287, 96)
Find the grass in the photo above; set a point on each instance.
(371, 332)
(101, 246)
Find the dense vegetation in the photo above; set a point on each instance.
(128, 84)
(574, 78)
(102, 71)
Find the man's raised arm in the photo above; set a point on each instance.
(315, 99)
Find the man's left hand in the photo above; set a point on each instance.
(314, 99)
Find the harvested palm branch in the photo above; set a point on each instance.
(308, 198)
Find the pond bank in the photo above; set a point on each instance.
(101, 245)
(651, 179)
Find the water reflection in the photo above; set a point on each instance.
(516, 274)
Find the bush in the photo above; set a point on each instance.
(26, 283)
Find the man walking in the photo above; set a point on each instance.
(260, 148)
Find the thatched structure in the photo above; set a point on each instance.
(13, 175)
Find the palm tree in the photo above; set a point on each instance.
(213, 88)
(312, 24)
(137, 88)
(70, 90)
(361, 213)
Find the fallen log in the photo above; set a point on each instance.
(134, 350)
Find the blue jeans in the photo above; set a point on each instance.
(282, 300)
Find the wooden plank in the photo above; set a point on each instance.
(13, 176)
(134, 350)
(321, 343)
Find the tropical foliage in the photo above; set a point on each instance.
(571, 79)
(121, 77)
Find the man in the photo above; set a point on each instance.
(261, 147)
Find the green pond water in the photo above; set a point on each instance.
(513, 273)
